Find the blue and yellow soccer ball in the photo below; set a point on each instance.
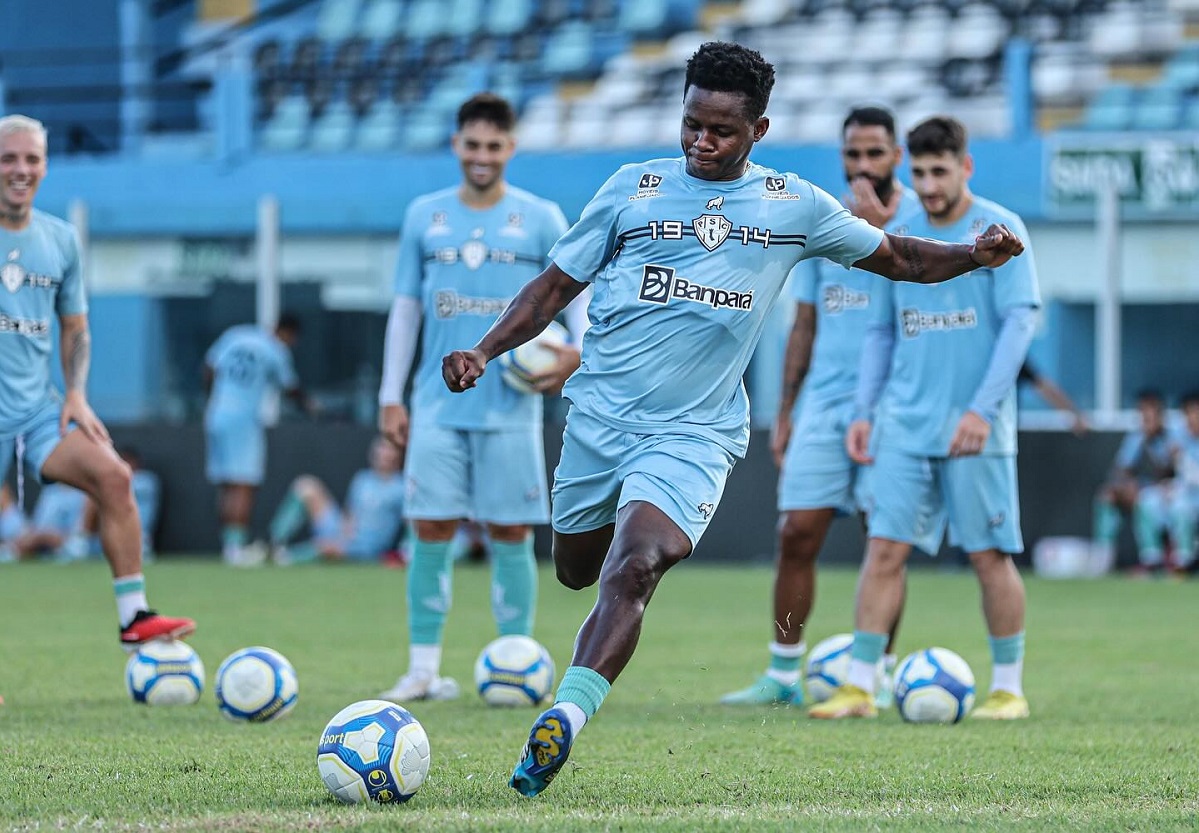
(827, 667)
(934, 685)
(521, 365)
(164, 673)
(373, 750)
(514, 671)
(256, 684)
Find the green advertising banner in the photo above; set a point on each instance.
(1155, 176)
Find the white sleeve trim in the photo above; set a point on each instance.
(399, 348)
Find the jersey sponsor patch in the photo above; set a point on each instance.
(916, 322)
(837, 298)
(660, 284)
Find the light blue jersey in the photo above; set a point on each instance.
(40, 279)
(248, 363)
(376, 504)
(944, 337)
(465, 265)
(685, 271)
(1148, 458)
(1187, 460)
(842, 300)
(147, 494)
(59, 509)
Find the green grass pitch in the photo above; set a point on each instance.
(1111, 673)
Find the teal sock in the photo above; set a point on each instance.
(583, 687)
(1006, 650)
(233, 536)
(1146, 530)
(305, 552)
(868, 647)
(289, 519)
(1182, 530)
(131, 597)
(1107, 523)
(429, 591)
(514, 586)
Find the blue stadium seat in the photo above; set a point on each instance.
(570, 51)
(459, 83)
(1111, 109)
(336, 19)
(464, 17)
(1190, 116)
(655, 19)
(379, 130)
(288, 126)
(508, 17)
(1159, 108)
(426, 130)
(332, 131)
(1182, 70)
(426, 19)
(381, 19)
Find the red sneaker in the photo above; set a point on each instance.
(148, 625)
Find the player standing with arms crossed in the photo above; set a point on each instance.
(59, 437)
(686, 257)
(818, 481)
(944, 360)
(464, 253)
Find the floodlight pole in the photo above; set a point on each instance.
(1107, 305)
(267, 247)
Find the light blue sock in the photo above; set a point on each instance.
(584, 688)
(514, 586)
(1146, 527)
(429, 591)
(305, 552)
(1007, 650)
(1182, 530)
(233, 536)
(289, 519)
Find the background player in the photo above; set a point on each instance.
(57, 516)
(683, 278)
(59, 437)
(373, 517)
(464, 252)
(147, 494)
(818, 480)
(242, 369)
(945, 360)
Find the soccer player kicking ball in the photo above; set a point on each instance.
(818, 480)
(686, 257)
(945, 361)
(59, 437)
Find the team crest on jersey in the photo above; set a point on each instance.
(711, 230)
(978, 226)
(474, 253)
(12, 274)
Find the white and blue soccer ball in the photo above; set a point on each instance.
(934, 686)
(164, 673)
(373, 750)
(525, 363)
(827, 667)
(514, 671)
(256, 684)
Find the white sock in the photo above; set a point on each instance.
(789, 677)
(862, 674)
(424, 660)
(889, 663)
(1008, 677)
(575, 716)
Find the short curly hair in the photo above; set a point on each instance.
(936, 135)
(487, 107)
(725, 67)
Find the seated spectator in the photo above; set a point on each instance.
(1184, 498)
(147, 494)
(56, 516)
(368, 527)
(1144, 459)
(12, 522)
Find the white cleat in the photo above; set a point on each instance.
(421, 687)
(251, 555)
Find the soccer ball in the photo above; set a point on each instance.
(827, 667)
(934, 686)
(528, 361)
(514, 671)
(373, 750)
(164, 673)
(256, 684)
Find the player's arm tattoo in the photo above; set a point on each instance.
(798, 357)
(76, 348)
(918, 260)
(531, 311)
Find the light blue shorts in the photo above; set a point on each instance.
(329, 528)
(235, 449)
(491, 476)
(35, 440)
(914, 498)
(817, 472)
(604, 468)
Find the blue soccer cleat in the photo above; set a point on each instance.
(544, 754)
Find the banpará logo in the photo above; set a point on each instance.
(838, 298)
(447, 303)
(36, 328)
(660, 284)
(915, 322)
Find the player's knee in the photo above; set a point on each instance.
(799, 543)
(572, 574)
(987, 562)
(887, 557)
(305, 485)
(114, 485)
(636, 570)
